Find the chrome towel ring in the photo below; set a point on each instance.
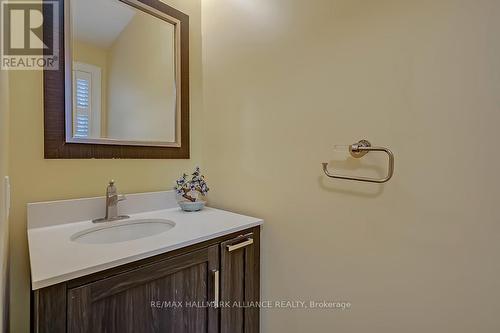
(359, 150)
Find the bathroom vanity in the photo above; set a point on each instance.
(197, 273)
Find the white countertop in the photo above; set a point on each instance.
(55, 258)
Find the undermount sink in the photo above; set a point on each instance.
(115, 232)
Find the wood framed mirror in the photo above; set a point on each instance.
(122, 86)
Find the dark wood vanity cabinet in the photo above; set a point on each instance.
(173, 292)
(168, 296)
(240, 285)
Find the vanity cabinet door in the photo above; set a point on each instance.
(167, 296)
(240, 284)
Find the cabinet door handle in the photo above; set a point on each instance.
(216, 288)
(235, 247)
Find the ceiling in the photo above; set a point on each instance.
(100, 22)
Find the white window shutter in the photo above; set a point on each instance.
(83, 82)
(86, 101)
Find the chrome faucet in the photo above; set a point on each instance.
(112, 199)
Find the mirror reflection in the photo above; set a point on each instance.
(123, 75)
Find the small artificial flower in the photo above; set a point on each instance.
(197, 183)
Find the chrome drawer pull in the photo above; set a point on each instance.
(216, 288)
(238, 246)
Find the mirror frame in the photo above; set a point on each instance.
(58, 142)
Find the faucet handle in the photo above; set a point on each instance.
(111, 182)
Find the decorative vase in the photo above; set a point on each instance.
(188, 205)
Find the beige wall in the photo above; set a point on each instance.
(36, 179)
(141, 101)
(97, 56)
(286, 80)
(4, 170)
